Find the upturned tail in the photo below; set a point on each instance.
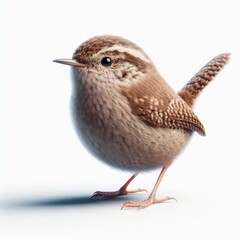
(200, 80)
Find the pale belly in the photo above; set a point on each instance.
(122, 140)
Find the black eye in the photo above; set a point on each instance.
(106, 61)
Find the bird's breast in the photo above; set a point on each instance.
(110, 131)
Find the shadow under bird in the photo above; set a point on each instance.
(127, 115)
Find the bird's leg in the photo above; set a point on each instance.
(122, 191)
(152, 197)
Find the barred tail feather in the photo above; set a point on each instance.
(199, 81)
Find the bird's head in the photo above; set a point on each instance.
(109, 59)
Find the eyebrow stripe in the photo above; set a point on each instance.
(122, 49)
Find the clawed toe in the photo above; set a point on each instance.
(121, 192)
(105, 195)
(144, 204)
(137, 191)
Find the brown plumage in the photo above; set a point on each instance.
(158, 107)
(200, 80)
(125, 112)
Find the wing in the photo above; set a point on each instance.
(162, 110)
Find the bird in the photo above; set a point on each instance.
(127, 115)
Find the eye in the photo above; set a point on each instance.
(106, 61)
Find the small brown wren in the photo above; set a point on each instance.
(127, 115)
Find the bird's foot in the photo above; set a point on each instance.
(144, 204)
(120, 192)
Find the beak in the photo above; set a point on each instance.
(71, 62)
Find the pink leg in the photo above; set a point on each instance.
(122, 191)
(152, 197)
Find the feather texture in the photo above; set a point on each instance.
(158, 106)
(200, 80)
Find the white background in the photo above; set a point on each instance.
(47, 177)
